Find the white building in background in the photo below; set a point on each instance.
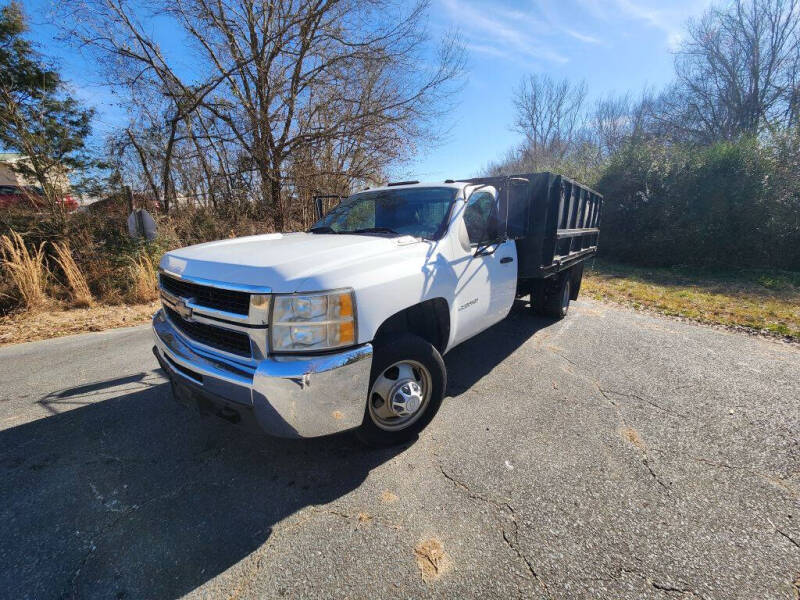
(9, 176)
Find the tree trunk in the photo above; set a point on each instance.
(277, 205)
(145, 167)
(166, 175)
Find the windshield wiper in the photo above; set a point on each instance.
(373, 230)
(322, 229)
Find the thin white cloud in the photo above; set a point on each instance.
(582, 37)
(503, 33)
(668, 17)
(674, 40)
(552, 19)
(484, 49)
(656, 17)
(538, 31)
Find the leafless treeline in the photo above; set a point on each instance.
(272, 101)
(737, 73)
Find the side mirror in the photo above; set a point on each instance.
(494, 229)
(319, 206)
(494, 233)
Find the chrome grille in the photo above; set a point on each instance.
(212, 297)
(227, 340)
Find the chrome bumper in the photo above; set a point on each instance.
(289, 396)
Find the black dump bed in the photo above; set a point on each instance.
(554, 220)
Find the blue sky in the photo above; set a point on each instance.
(615, 45)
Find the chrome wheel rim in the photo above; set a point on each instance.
(399, 395)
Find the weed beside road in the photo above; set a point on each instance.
(761, 301)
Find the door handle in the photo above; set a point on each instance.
(506, 259)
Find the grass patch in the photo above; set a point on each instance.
(144, 280)
(763, 301)
(25, 269)
(80, 294)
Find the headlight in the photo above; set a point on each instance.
(303, 322)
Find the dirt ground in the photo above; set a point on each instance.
(28, 327)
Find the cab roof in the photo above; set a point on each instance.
(448, 183)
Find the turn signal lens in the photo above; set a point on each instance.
(342, 306)
(342, 334)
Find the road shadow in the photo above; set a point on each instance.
(137, 497)
(123, 493)
(469, 362)
(98, 386)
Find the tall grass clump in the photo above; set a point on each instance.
(143, 280)
(80, 295)
(25, 269)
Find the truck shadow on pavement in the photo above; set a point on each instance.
(137, 497)
(469, 362)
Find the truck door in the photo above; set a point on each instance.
(486, 272)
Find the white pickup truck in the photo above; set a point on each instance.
(344, 326)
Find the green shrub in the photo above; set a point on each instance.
(732, 204)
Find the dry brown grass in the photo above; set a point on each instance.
(25, 269)
(766, 302)
(80, 295)
(143, 280)
(45, 324)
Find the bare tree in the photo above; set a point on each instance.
(611, 123)
(737, 72)
(549, 114)
(284, 78)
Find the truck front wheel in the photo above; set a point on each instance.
(407, 384)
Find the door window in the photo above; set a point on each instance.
(479, 217)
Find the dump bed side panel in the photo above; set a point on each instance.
(572, 225)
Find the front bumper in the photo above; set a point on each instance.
(287, 396)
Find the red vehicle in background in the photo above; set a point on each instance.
(30, 196)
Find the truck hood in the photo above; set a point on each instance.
(282, 262)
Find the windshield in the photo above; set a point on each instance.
(420, 212)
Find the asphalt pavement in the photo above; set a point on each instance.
(610, 455)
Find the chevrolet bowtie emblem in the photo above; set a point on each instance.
(182, 309)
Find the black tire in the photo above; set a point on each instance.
(577, 279)
(556, 304)
(538, 297)
(388, 352)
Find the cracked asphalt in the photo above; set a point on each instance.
(610, 455)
